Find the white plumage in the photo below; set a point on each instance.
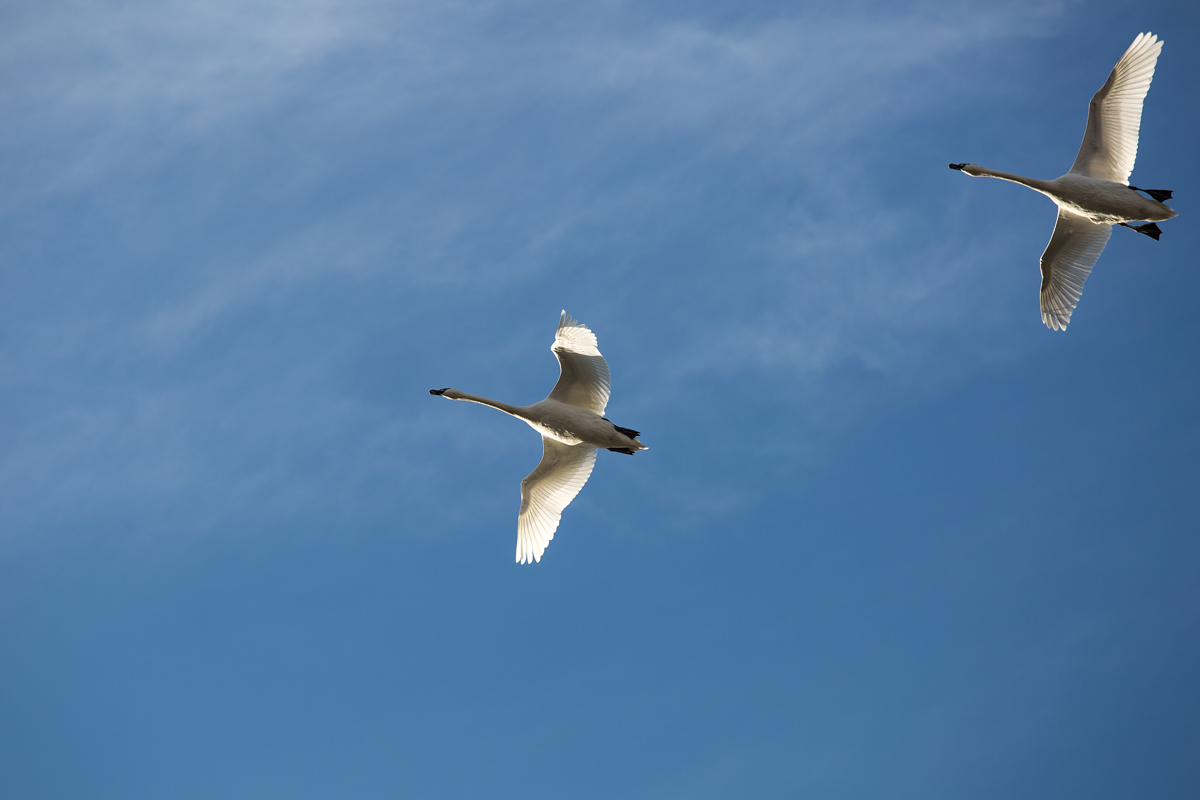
(583, 378)
(1110, 141)
(1095, 194)
(546, 491)
(572, 424)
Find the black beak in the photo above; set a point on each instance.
(957, 166)
(438, 391)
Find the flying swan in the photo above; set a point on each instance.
(1095, 194)
(573, 427)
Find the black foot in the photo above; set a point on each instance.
(1150, 229)
(630, 432)
(1161, 195)
(627, 451)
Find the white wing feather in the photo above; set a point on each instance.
(546, 491)
(583, 378)
(1068, 260)
(1115, 115)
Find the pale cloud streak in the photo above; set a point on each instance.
(513, 152)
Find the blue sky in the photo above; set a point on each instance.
(893, 537)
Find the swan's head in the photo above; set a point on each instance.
(449, 394)
(970, 169)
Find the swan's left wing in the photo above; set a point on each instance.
(1074, 247)
(1115, 115)
(583, 373)
(546, 491)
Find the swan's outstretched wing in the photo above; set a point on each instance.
(583, 373)
(1074, 247)
(1110, 142)
(546, 491)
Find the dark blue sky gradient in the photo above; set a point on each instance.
(893, 537)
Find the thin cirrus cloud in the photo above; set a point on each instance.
(234, 157)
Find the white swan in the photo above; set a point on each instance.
(1095, 194)
(573, 426)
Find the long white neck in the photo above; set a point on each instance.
(455, 394)
(1036, 184)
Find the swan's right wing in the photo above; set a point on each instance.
(1110, 142)
(1074, 247)
(546, 491)
(583, 373)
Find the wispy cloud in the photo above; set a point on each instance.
(714, 178)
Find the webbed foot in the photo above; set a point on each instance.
(1150, 229)
(1161, 195)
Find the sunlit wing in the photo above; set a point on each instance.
(583, 373)
(1074, 247)
(1111, 140)
(546, 491)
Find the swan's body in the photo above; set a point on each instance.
(573, 427)
(1095, 194)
